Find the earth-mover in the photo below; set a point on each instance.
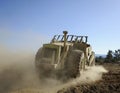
(66, 55)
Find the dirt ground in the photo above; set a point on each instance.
(110, 82)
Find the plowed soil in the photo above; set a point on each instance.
(110, 82)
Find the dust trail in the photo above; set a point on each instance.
(17, 74)
(91, 75)
(16, 70)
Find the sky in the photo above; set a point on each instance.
(27, 24)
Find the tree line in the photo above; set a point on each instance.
(112, 56)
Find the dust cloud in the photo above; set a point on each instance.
(16, 70)
(92, 74)
(18, 74)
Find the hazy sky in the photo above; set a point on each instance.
(30, 23)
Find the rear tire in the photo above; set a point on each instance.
(92, 59)
(74, 63)
(38, 55)
(38, 66)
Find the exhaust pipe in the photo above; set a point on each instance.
(65, 39)
(86, 39)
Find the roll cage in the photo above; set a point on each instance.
(70, 38)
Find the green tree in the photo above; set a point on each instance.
(109, 56)
(117, 55)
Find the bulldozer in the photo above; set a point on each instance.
(65, 56)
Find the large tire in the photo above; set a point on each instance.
(92, 59)
(38, 55)
(37, 60)
(74, 63)
(43, 70)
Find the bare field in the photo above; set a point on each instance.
(110, 82)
